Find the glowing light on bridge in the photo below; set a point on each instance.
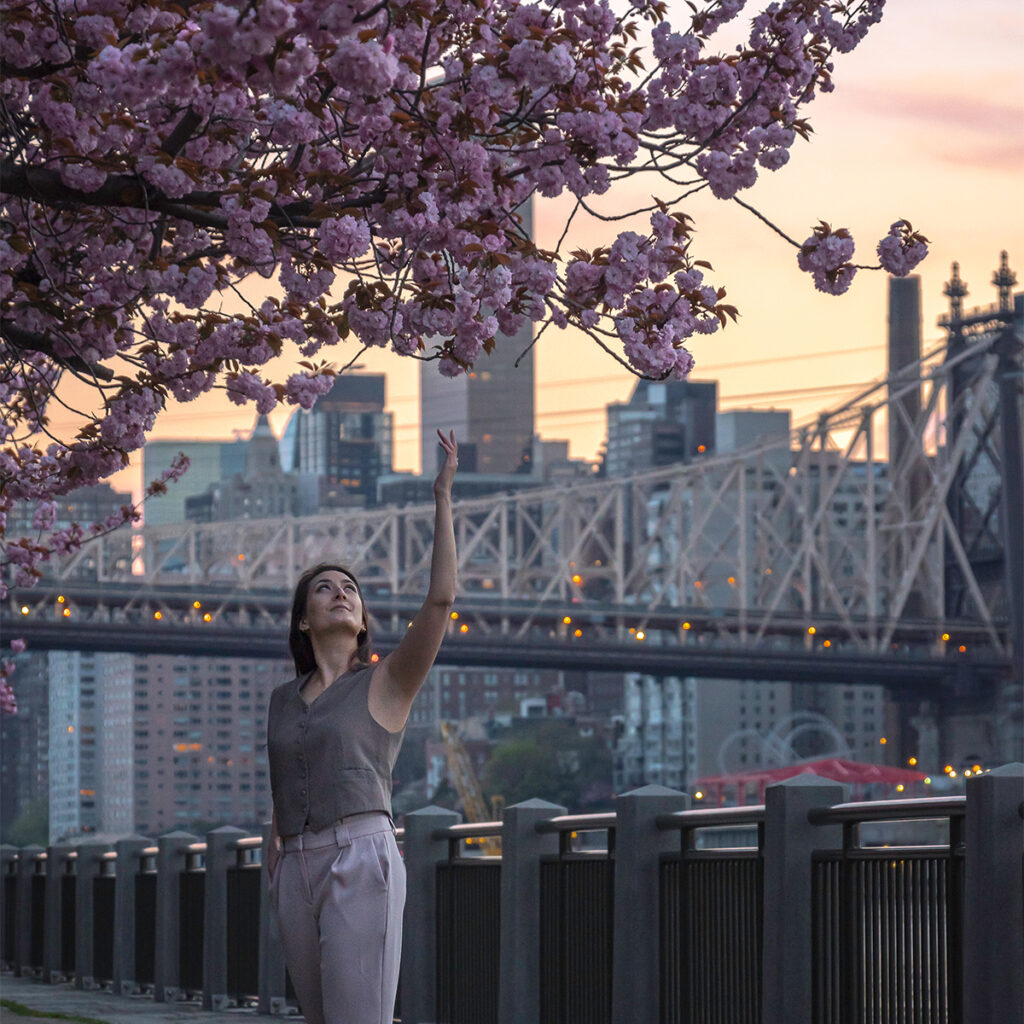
(577, 578)
(567, 621)
(158, 616)
(640, 634)
(464, 628)
(197, 605)
(67, 613)
(24, 609)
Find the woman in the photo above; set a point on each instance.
(337, 881)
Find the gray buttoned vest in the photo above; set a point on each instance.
(328, 759)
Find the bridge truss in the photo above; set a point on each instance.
(808, 541)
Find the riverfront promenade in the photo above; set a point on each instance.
(98, 1006)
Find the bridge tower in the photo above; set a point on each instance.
(986, 501)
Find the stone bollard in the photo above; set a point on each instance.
(88, 866)
(789, 842)
(639, 844)
(170, 863)
(521, 850)
(272, 970)
(53, 932)
(27, 857)
(128, 850)
(220, 855)
(418, 979)
(993, 934)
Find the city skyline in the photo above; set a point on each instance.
(925, 123)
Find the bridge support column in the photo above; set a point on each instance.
(422, 853)
(521, 850)
(170, 863)
(636, 956)
(88, 865)
(220, 855)
(23, 916)
(993, 938)
(272, 981)
(789, 844)
(53, 936)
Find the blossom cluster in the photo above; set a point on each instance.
(825, 255)
(368, 161)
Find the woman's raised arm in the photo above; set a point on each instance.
(400, 675)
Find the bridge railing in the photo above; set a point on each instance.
(810, 909)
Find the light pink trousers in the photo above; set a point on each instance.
(339, 896)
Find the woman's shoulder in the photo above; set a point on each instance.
(284, 690)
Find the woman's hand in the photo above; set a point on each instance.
(443, 483)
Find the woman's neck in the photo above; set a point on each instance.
(332, 660)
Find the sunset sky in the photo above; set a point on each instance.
(926, 123)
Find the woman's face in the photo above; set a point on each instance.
(332, 605)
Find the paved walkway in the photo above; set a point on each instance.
(104, 1008)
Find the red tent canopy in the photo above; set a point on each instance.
(858, 775)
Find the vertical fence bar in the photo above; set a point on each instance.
(639, 846)
(88, 866)
(993, 939)
(789, 845)
(271, 995)
(220, 855)
(128, 850)
(170, 865)
(521, 850)
(53, 960)
(418, 979)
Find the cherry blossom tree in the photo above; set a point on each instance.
(367, 158)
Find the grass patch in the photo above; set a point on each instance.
(26, 1011)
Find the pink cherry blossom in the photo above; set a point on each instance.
(361, 167)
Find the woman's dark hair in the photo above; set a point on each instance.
(298, 639)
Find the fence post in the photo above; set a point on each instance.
(8, 858)
(170, 863)
(128, 850)
(993, 937)
(220, 855)
(53, 932)
(422, 853)
(521, 850)
(789, 843)
(636, 951)
(271, 971)
(88, 865)
(23, 909)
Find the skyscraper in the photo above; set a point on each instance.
(345, 440)
(664, 422)
(490, 409)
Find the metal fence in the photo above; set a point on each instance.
(813, 921)
(711, 925)
(888, 923)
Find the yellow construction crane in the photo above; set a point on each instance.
(468, 787)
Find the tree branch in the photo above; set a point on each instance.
(28, 341)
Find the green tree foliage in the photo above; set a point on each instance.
(550, 760)
(32, 826)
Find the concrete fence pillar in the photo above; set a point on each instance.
(272, 982)
(8, 864)
(636, 952)
(522, 848)
(170, 863)
(28, 855)
(221, 855)
(993, 937)
(88, 865)
(53, 931)
(789, 842)
(128, 850)
(419, 944)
